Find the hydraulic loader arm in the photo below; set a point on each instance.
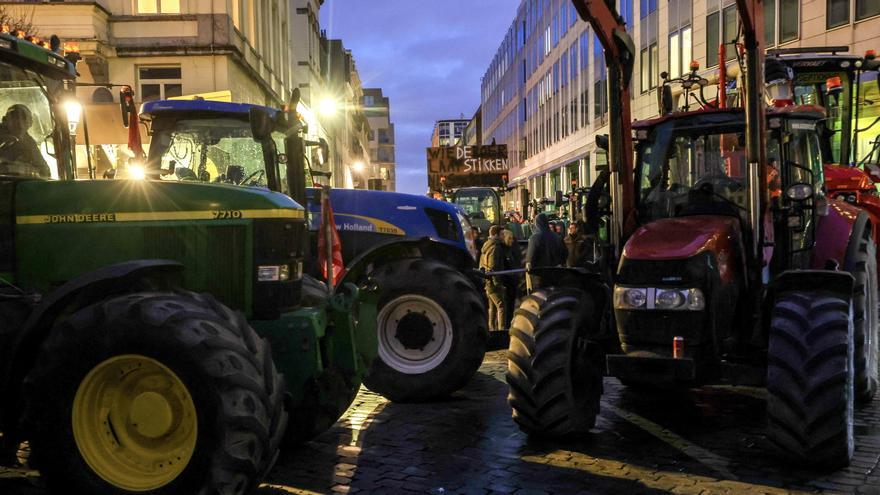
(751, 13)
(619, 58)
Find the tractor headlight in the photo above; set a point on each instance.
(273, 273)
(663, 299)
(630, 298)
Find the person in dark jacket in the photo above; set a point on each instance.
(492, 259)
(575, 243)
(513, 259)
(545, 249)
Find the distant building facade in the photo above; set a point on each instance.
(473, 133)
(448, 132)
(377, 108)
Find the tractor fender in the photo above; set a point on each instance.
(863, 221)
(834, 234)
(395, 249)
(79, 292)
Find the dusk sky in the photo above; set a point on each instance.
(427, 56)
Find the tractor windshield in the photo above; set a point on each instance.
(810, 88)
(27, 138)
(212, 150)
(691, 171)
(479, 204)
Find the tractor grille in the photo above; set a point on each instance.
(215, 258)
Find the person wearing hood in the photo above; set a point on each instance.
(492, 257)
(545, 249)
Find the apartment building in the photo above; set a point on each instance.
(346, 123)
(448, 132)
(544, 93)
(377, 108)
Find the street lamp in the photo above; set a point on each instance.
(358, 166)
(328, 106)
(74, 115)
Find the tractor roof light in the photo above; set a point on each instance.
(833, 86)
(870, 54)
(695, 66)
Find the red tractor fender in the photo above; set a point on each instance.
(835, 233)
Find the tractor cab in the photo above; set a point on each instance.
(210, 142)
(482, 205)
(34, 81)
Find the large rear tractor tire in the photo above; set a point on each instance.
(810, 379)
(431, 330)
(863, 268)
(553, 368)
(159, 392)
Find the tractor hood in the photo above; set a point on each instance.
(131, 200)
(839, 178)
(684, 237)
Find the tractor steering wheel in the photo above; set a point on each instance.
(719, 181)
(250, 179)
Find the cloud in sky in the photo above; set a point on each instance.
(428, 58)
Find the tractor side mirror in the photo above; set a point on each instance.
(602, 141)
(559, 200)
(261, 123)
(666, 101)
(799, 192)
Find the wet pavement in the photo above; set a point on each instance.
(705, 441)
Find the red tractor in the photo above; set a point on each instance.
(727, 262)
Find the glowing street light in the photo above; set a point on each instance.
(358, 166)
(74, 115)
(328, 106)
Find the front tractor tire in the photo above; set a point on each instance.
(863, 268)
(431, 330)
(552, 365)
(810, 378)
(159, 392)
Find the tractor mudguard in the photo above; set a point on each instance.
(79, 292)
(840, 283)
(395, 249)
(834, 234)
(863, 221)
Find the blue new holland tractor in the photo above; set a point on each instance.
(431, 324)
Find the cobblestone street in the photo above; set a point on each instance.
(710, 441)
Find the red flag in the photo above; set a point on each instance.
(129, 113)
(134, 136)
(336, 243)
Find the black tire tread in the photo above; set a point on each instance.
(865, 260)
(809, 379)
(538, 373)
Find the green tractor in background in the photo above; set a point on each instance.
(119, 377)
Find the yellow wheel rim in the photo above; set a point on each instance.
(134, 423)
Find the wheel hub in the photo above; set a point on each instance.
(151, 415)
(134, 423)
(415, 334)
(414, 330)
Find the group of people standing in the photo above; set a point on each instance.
(547, 248)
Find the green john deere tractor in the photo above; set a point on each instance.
(121, 362)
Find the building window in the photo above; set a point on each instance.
(679, 36)
(159, 83)
(836, 13)
(789, 20)
(158, 6)
(650, 67)
(867, 8)
(721, 27)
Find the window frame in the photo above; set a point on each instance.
(136, 7)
